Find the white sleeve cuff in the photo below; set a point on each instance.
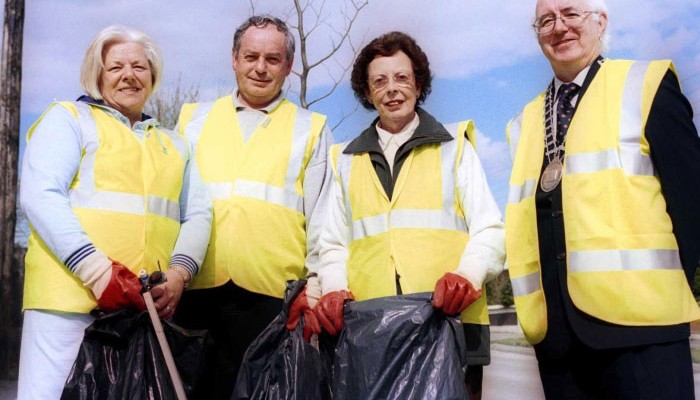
(332, 279)
(95, 270)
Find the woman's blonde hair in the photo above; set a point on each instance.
(93, 64)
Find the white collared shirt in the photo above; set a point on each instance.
(250, 118)
(390, 142)
(580, 78)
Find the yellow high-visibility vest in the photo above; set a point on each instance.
(419, 234)
(623, 265)
(258, 237)
(126, 195)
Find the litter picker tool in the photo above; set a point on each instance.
(158, 328)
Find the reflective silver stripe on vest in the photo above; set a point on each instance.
(369, 226)
(181, 144)
(85, 195)
(630, 157)
(592, 162)
(516, 193)
(90, 142)
(256, 190)
(633, 161)
(624, 260)
(286, 196)
(445, 218)
(426, 219)
(124, 203)
(344, 163)
(220, 190)
(302, 129)
(194, 127)
(269, 193)
(448, 161)
(515, 130)
(406, 219)
(164, 207)
(527, 284)
(108, 201)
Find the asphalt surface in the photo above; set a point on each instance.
(513, 369)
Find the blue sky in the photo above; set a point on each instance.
(483, 53)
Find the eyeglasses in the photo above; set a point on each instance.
(573, 18)
(379, 82)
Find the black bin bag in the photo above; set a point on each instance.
(399, 348)
(120, 359)
(281, 365)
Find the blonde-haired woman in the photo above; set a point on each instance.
(107, 193)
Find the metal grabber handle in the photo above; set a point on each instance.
(160, 334)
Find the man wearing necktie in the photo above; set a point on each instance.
(602, 235)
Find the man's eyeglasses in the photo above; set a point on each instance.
(379, 82)
(573, 18)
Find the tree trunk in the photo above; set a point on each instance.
(10, 272)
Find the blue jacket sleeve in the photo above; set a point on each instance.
(51, 160)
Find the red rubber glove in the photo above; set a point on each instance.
(454, 293)
(122, 291)
(300, 306)
(330, 310)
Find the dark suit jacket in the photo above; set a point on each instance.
(675, 152)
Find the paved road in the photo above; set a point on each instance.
(512, 371)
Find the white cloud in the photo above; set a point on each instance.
(463, 39)
(195, 38)
(495, 159)
(492, 152)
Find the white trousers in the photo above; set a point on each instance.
(50, 344)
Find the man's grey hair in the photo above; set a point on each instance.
(261, 21)
(600, 6)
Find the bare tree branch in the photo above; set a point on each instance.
(310, 20)
(336, 83)
(350, 20)
(311, 15)
(164, 105)
(345, 116)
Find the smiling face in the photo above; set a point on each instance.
(570, 50)
(261, 65)
(392, 90)
(126, 80)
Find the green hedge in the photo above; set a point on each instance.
(499, 291)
